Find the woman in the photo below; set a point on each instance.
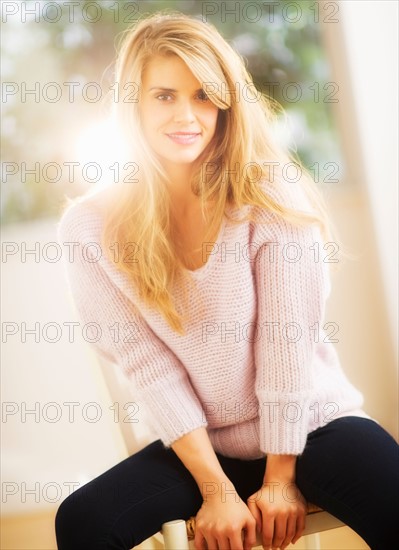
(211, 265)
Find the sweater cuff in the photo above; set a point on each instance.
(284, 420)
(172, 408)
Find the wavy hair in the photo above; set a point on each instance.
(140, 212)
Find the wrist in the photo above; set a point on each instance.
(216, 487)
(280, 467)
(197, 454)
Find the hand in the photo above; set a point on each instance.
(222, 521)
(280, 511)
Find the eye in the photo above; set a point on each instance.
(164, 97)
(202, 96)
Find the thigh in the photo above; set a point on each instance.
(350, 468)
(128, 503)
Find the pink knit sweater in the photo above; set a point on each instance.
(255, 366)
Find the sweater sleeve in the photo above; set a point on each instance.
(292, 285)
(120, 333)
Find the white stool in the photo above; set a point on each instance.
(179, 534)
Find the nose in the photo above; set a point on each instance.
(184, 111)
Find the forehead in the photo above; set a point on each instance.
(167, 71)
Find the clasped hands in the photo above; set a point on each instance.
(224, 522)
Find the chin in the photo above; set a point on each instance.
(183, 159)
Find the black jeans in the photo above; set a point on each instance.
(349, 467)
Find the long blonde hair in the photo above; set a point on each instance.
(140, 212)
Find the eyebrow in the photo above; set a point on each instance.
(169, 89)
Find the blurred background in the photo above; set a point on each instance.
(331, 65)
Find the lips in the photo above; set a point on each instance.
(184, 138)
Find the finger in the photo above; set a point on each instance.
(290, 533)
(224, 544)
(199, 541)
(235, 540)
(280, 530)
(249, 533)
(256, 514)
(267, 531)
(211, 543)
(300, 527)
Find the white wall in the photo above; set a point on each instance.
(362, 48)
(371, 43)
(44, 451)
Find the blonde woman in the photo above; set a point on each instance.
(212, 264)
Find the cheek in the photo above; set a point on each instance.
(210, 117)
(152, 116)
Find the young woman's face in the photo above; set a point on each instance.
(178, 119)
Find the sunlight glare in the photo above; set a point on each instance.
(101, 154)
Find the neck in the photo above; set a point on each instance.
(179, 186)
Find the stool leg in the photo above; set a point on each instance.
(312, 542)
(175, 535)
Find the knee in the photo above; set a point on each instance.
(74, 525)
(66, 522)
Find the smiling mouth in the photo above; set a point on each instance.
(183, 134)
(184, 137)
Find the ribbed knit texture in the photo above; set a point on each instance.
(255, 366)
